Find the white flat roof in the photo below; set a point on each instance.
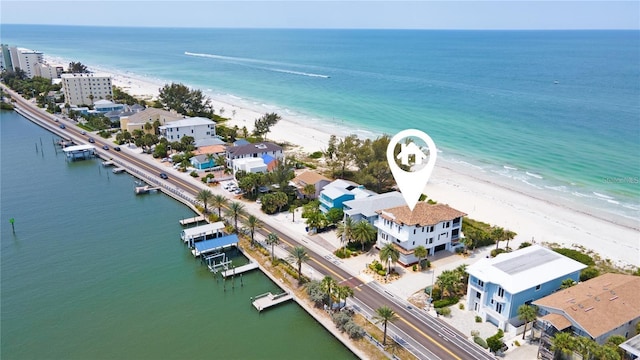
(203, 229)
(525, 268)
(78, 148)
(369, 205)
(194, 121)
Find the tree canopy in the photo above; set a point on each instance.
(262, 126)
(185, 101)
(77, 67)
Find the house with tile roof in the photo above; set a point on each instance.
(498, 286)
(435, 226)
(366, 208)
(309, 178)
(597, 308)
(137, 120)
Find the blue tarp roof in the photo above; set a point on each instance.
(208, 245)
(267, 159)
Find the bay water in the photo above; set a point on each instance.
(95, 272)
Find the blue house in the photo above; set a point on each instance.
(201, 162)
(498, 286)
(334, 194)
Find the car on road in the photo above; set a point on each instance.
(83, 132)
(106, 147)
(117, 148)
(91, 140)
(164, 176)
(62, 126)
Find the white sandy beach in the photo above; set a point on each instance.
(532, 216)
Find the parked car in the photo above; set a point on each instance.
(83, 132)
(91, 140)
(164, 176)
(117, 148)
(62, 126)
(106, 147)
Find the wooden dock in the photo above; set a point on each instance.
(240, 269)
(268, 300)
(193, 220)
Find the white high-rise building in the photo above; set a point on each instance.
(85, 88)
(24, 59)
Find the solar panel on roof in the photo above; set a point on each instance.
(526, 261)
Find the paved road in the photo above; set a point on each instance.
(425, 336)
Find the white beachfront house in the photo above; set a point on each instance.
(367, 208)
(85, 88)
(257, 150)
(498, 286)
(196, 127)
(435, 226)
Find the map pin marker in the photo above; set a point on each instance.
(411, 183)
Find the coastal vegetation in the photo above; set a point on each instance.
(186, 101)
(384, 315)
(37, 87)
(564, 344)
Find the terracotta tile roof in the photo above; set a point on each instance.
(422, 215)
(309, 177)
(211, 149)
(598, 305)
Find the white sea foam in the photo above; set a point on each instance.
(509, 167)
(534, 175)
(299, 73)
(602, 196)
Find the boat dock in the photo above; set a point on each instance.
(118, 170)
(146, 189)
(108, 163)
(268, 300)
(193, 220)
(240, 269)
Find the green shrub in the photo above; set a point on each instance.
(353, 330)
(461, 306)
(194, 174)
(478, 319)
(316, 155)
(495, 252)
(426, 264)
(516, 343)
(382, 272)
(576, 255)
(414, 267)
(445, 302)
(524, 245)
(445, 311)
(343, 253)
(589, 273)
(480, 341)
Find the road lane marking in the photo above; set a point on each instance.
(430, 338)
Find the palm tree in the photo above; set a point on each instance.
(328, 285)
(219, 201)
(253, 223)
(204, 196)
(345, 230)
(389, 252)
(363, 232)
(563, 343)
(343, 292)
(567, 283)
(509, 235)
(211, 160)
(281, 199)
(235, 210)
(420, 252)
(497, 233)
(273, 240)
(292, 210)
(309, 191)
(298, 255)
(527, 313)
(384, 315)
(586, 347)
(448, 281)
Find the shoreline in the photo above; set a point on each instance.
(490, 198)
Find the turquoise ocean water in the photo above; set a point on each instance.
(95, 272)
(551, 111)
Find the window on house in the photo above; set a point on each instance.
(414, 231)
(500, 292)
(414, 243)
(538, 287)
(480, 283)
(499, 308)
(478, 294)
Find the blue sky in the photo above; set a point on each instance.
(421, 14)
